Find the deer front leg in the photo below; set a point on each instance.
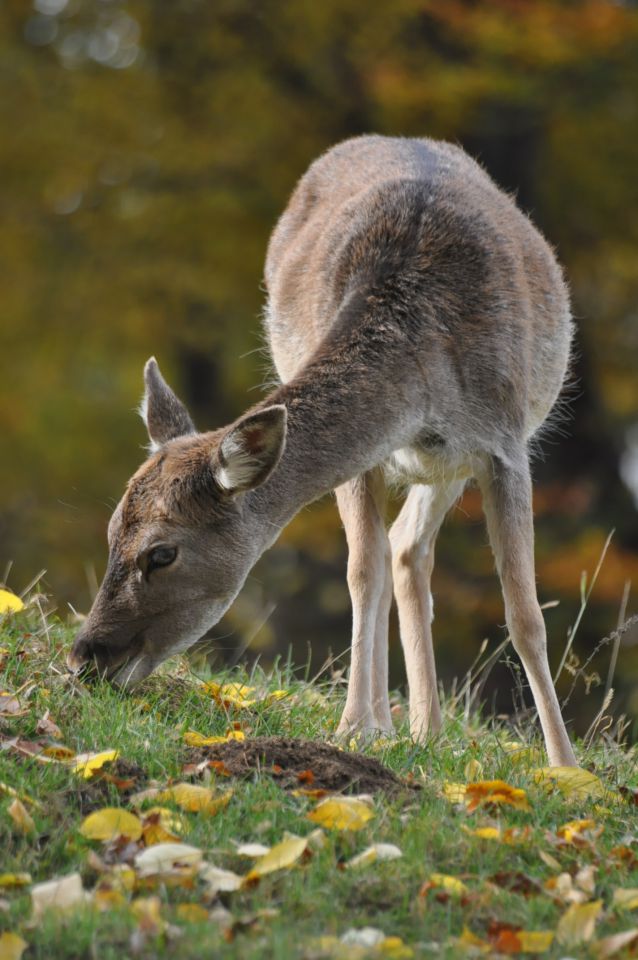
(507, 501)
(412, 537)
(361, 505)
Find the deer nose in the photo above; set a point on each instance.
(84, 653)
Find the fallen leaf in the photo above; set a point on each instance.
(86, 764)
(194, 739)
(148, 913)
(63, 893)
(444, 881)
(341, 813)
(625, 898)
(21, 818)
(473, 769)
(11, 792)
(573, 782)
(195, 798)
(609, 946)
(218, 880)
(10, 706)
(111, 822)
(15, 879)
(562, 889)
(535, 941)
(574, 831)
(494, 792)
(252, 850)
(9, 603)
(578, 923)
(510, 835)
(163, 857)
(12, 946)
(47, 726)
(58, 751)
(550, 861)
(161, 825)
(192, 913)
(374, 853)
(280, 857)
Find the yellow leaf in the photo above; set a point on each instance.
(105, 899)
(573, 782)
(164, 857)
(192, 913)
(15, 879)
(9, 603)
(195, 798)
(578, 923)
(21, 818)
(5, 788)
(535, 941)
(11, 946)
(280, 857)
(494, 791)
(111, 822)
(161, 825)
(341, 813)
(231, 694)
(573, 830)
(455, 792)
(448, 883)
(276, 695)
(626, 898)
(473, 769)
(194, 739)
(374, 853)
(59, 752)
(86, 764)
(147, 911)
(484, 833)
(395, 948)
(63, 893)
(469, 939)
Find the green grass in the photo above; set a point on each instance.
(315, 899)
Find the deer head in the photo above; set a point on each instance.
(182, 538)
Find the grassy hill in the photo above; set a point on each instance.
(482, 866)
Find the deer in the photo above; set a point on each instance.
(420, 328)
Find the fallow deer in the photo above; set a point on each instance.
(420, 327)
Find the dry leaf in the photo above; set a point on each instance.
(194, 739)
(63, 893)
(609, 946)
(454, 792)
(192, 913)
(341, 813)
(15, 879)
(9, 603)
(578, 923)
(445, 882)
(573, 831)
(163, 857)
(625, 898)
(374, 853)
(280, 857)
(252, 850)
(573, 782)
(161, 825)
(550, 861)
(21, 818)
(47, 726)
(86, 764)
(509, 835)
(12, 946)
(535, 941)
(218, 880)
(111, 822)
(473, 769)
(494, 791)
(195, 798)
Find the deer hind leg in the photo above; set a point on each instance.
(507, 501)
(412, 537)
(361, 504)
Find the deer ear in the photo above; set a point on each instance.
(250, 450)
(164, 414)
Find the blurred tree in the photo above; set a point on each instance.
(149, 148)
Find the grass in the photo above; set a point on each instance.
(318, 898)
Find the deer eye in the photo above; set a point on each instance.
(160, 557)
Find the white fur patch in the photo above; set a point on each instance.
(241, 465)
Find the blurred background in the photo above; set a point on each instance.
(147, 150)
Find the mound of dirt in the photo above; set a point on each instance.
(124, 776)
(304, 763)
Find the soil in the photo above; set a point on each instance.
(303, 764)
(123, 776)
